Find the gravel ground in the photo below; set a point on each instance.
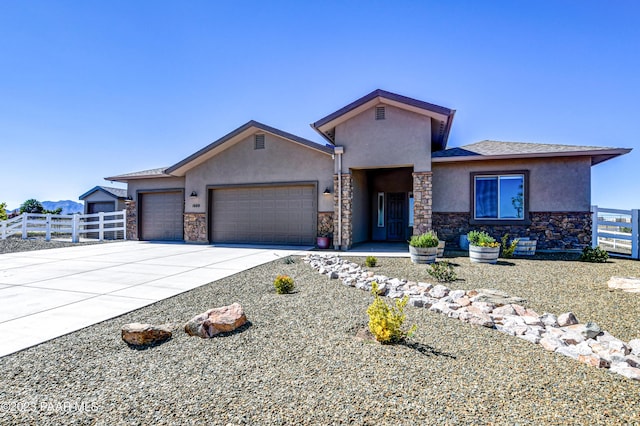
(298, 361)
(16, 244)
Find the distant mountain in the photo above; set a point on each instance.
(68, 206)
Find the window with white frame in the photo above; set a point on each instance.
(499, 196)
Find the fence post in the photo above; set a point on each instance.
(47, 235)
(101, 226)
(24, 225)
(124, 224)
(634, 234)
(594, 226)
(75, 222)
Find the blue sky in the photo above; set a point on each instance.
(90, 89)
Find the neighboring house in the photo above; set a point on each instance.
(385, 174)
(104, 199)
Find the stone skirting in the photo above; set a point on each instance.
(422, 193)
(132, 220)
(347, 205)
(195, 228)
(552, 230)
(325, 224)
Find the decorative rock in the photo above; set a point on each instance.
(529, 337)
(439, 291)
(567, 319)
(633, 361)
(572, 337)
(628, 284)
(550, 320)
(145, 334)
(504, 310)
(634, 345)
(483, 320)
(495, 297)
(457, 294)
(569, 351)
(593, 361)
(628, 372)
(463, 301)
(216, 320)
(551, 343)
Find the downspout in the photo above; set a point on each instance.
(339, 150)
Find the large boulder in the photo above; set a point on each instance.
(137, 334)
(216, 321)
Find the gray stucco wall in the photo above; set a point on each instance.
(555, 184)
(280, 161)
(153, 184)
(403, 138)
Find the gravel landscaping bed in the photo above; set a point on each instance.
(16, 244)
(298, 361)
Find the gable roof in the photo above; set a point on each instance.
(441, 117)
(251, 127)
(489, 150)
(119, 193)
(144, 174)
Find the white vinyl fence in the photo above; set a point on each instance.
(101, 226)
(616, 231)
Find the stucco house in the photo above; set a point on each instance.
(104, 199)
(383, 174)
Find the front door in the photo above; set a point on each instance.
(395, 216)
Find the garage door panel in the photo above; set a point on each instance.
(162, 216)
(269, 215)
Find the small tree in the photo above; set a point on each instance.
(3, 211)
(55, 211)
(31, 206)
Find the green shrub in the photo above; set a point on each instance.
(594, 255)
(31, 206)
(481, 239)
(442, 271)
(283, 284)
(428, 239)
(508, 249)
(3, 211)
(385, 322)
(288, 260)
(371, 261)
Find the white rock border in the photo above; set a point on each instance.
(561, 334)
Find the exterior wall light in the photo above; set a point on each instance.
(327, 191)
(194, 194)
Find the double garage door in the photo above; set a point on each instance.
(264, 214)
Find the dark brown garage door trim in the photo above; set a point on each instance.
(140, 193)
(212, 187)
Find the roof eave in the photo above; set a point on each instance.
(597, 156)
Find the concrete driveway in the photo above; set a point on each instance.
(48, 293)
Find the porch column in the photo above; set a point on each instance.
(422, 203)
(195, 228)
(347, 206)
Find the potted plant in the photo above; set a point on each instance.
(424, 247)
(322, 241)
(483, 248)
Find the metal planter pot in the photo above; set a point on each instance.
(423, 255)
(479, 254)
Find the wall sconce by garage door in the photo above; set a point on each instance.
(327, 191)
(194, 194)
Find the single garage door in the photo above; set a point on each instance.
(161, 216)
(265, 215)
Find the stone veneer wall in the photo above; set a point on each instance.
(195, 228)
(422, 199)
(553, 230)
(347, 205)
(132, 220)
(325, 224)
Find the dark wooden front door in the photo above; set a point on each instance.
(395, 216)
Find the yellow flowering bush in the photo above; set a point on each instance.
(385, 322)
